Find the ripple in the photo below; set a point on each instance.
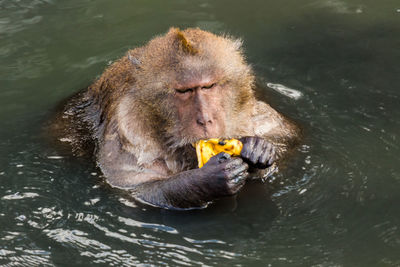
(55, 157)
(19, 195)
(112, 257)
(156, 227)
(210, 241)
(74, 238)
(25, 257)
(286, 91)
(4, 252)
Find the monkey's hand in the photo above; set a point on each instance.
(224, 175)
(258, 152)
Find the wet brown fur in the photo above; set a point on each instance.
(134, 124)
(186, 46)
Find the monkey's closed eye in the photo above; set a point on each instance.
(184, 91)
(209, 86)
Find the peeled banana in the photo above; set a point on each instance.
(205, 149)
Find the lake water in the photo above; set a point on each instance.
(337, 202)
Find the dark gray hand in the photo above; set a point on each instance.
(224, 174)
(258, 152)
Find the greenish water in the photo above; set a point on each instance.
(337, 203)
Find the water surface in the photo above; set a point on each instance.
(336, 203)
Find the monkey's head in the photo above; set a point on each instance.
(198, 84)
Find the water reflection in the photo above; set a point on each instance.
(335, 203)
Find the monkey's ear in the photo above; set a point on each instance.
(134, 60)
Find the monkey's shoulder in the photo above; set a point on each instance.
(69, 127)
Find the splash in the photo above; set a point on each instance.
(289, 92)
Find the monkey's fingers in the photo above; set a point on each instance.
(240, 178)
(248, 147)
(237, 182)
(220, 158)
(268, 157)
(237, 170)
(258, 151)
(234, 163)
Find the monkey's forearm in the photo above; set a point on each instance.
(182, 191)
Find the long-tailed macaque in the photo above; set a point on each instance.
(149, 107)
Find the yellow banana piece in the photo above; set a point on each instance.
(205, 149)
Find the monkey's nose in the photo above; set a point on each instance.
(203, 122)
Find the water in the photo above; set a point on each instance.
(337, 202)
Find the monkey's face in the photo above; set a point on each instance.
(200, 109)
(197, 84)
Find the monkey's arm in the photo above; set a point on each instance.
(221, 176)
(133, 162)
(271, 137)
(274, 128)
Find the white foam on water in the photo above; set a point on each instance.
(55, 157)
(286, 91)
(19, 195)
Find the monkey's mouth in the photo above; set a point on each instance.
(206, 137)
(192, 134)
(202, 133)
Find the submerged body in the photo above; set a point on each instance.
(148, 108)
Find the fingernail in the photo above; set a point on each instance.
(236, 180)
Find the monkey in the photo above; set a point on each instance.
(148, 108)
